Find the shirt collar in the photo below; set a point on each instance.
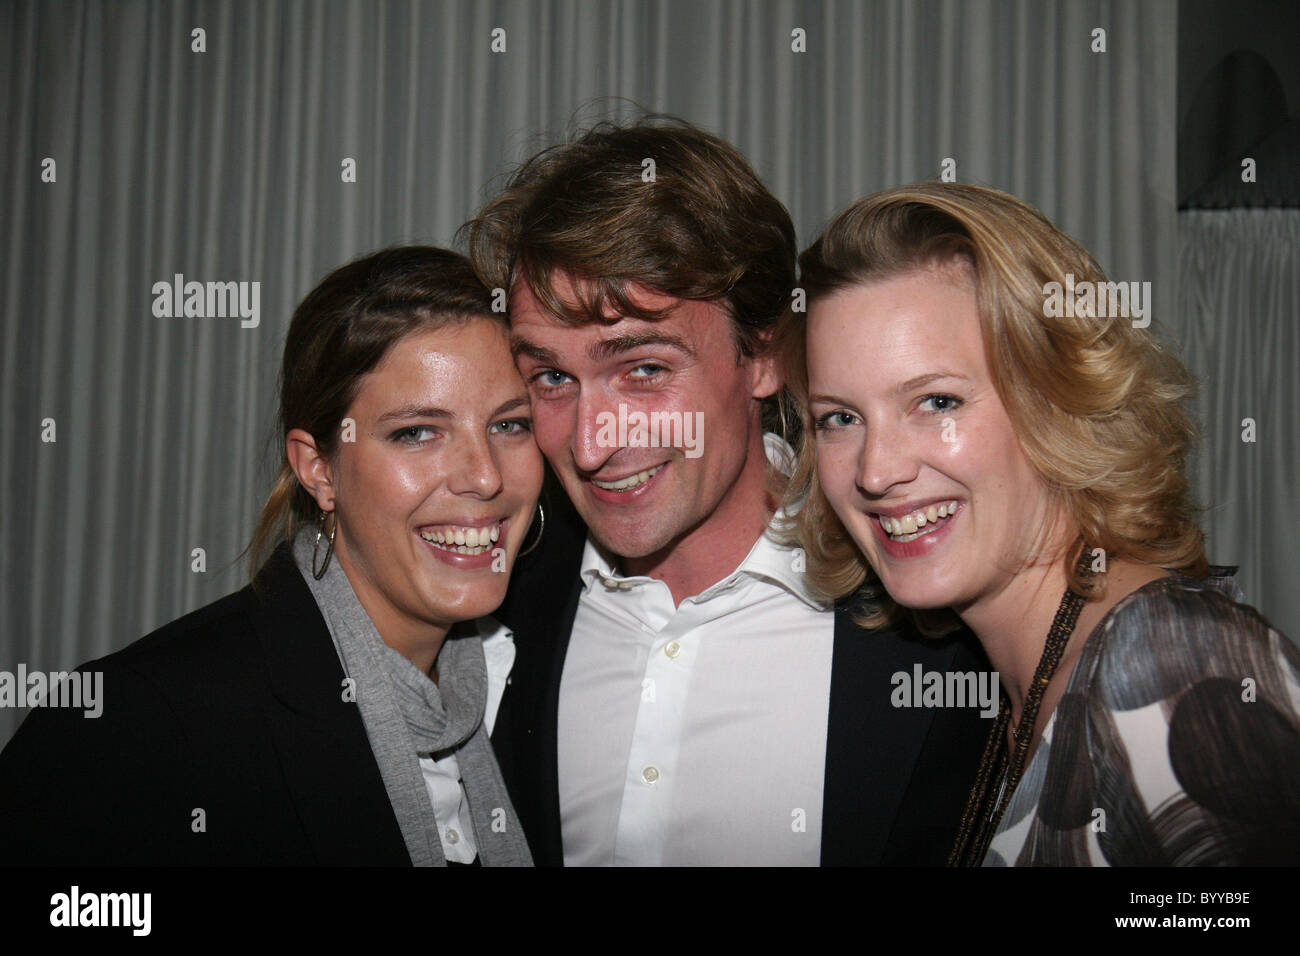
(767, 559)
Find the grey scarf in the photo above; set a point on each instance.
(408, 716)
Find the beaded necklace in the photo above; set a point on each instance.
(999, 774)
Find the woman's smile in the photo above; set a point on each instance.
(919, 457)
(436, 494)
(925, 524)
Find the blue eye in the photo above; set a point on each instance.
(550, 379)
(833, 420)
(941, 403)
(411, 435)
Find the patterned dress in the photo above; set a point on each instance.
(1176, 743)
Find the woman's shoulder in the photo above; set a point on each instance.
(1193, 607)
(1188, 714)
(221, 646)
(1179, 631)
(1182, 658)
(187, 648)
(184, 712)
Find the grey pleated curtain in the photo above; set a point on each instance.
(226, 166)
(1240, 280)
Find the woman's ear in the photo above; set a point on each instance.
(311, 466)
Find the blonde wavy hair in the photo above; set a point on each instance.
(1098, 406)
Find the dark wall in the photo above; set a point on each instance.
(1238, 81)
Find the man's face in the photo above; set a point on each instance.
(589, 385)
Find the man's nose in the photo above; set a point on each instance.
(595, 429)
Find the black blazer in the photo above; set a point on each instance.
(897, 779)
(236, 710)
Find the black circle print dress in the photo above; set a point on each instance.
(1177, 742)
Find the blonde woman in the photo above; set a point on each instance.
(978, 451)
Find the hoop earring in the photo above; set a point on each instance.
(541, 513)
(320, 532)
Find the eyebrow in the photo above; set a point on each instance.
(519, 346)
(912, 383)
(511, 405)
(608, 348)
(406, 412)
(605, 348)
(827, 399)
(413, 411)
(922, 380)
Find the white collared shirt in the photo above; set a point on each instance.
(442, 777)
(696, 734)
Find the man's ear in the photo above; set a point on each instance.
(311, 466)
(765, 368)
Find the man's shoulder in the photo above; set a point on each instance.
(958, 649)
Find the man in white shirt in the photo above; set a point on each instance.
(679, 695)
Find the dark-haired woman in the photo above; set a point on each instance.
(337, 710)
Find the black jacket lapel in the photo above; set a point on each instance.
(320, 740)
(549, 727)
(872, 747)
(539, 609)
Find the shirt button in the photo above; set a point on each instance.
(610, 585)
(452, 836)
(650, 774)
(672, 648)
(626, 585)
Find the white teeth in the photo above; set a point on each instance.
(464, 540)
(631, 481)
(922, 521)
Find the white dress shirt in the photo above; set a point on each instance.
(442, 776)
(696, 734)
